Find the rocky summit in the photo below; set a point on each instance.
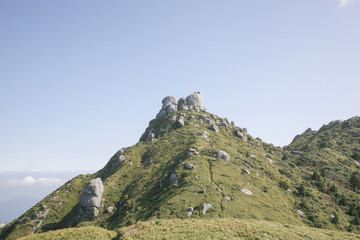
(192, 167)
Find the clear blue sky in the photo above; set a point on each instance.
(81, 79)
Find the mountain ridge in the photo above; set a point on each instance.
(193, 164)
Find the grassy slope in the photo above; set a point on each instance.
(198, 229)
(227, 229)
(95, 233)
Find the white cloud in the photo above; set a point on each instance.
(344, 3)
(30, 181)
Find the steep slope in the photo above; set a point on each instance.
(188, 164)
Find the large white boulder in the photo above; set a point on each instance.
(92, 194)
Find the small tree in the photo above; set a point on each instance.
(316, 177)
(284, 185)
(352, 210)
(356, 220)
(343, 201)
(333, 189)
(301, 191)
(355, 181)
(356, 155)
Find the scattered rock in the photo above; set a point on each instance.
(224, 155)
(357, 163)
(209, 121)
(118, 153)
(191, 152)
(172, 119)
(214, 128)
(121, 158)
(270, 160)
(308, 130)
(189, 166)
(227, 198)
(357, 134)
(181, 122)
(173, 179)
(253, 156)
(2, 225)
(203, 191)
(206, 207)
(190, 209)
(196, 178)
(203, 117)
(233, 123)
(110, 209)
(218, 189)
(241, 135)
(247, 165)
(246, 171)
(246, 191)
(224, 124)
(90, 200)
(189, 213)
(301, 214)
(37, 227)
(53, 198)
(131, 163)
(296, 153)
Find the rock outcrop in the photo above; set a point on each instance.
(171, 104)
(90, 200)
(195, 100)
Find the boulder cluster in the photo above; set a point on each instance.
(171, 104)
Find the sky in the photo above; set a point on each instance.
(81, 79)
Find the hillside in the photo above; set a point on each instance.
(191, 164)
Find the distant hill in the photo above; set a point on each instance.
(191, 166)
